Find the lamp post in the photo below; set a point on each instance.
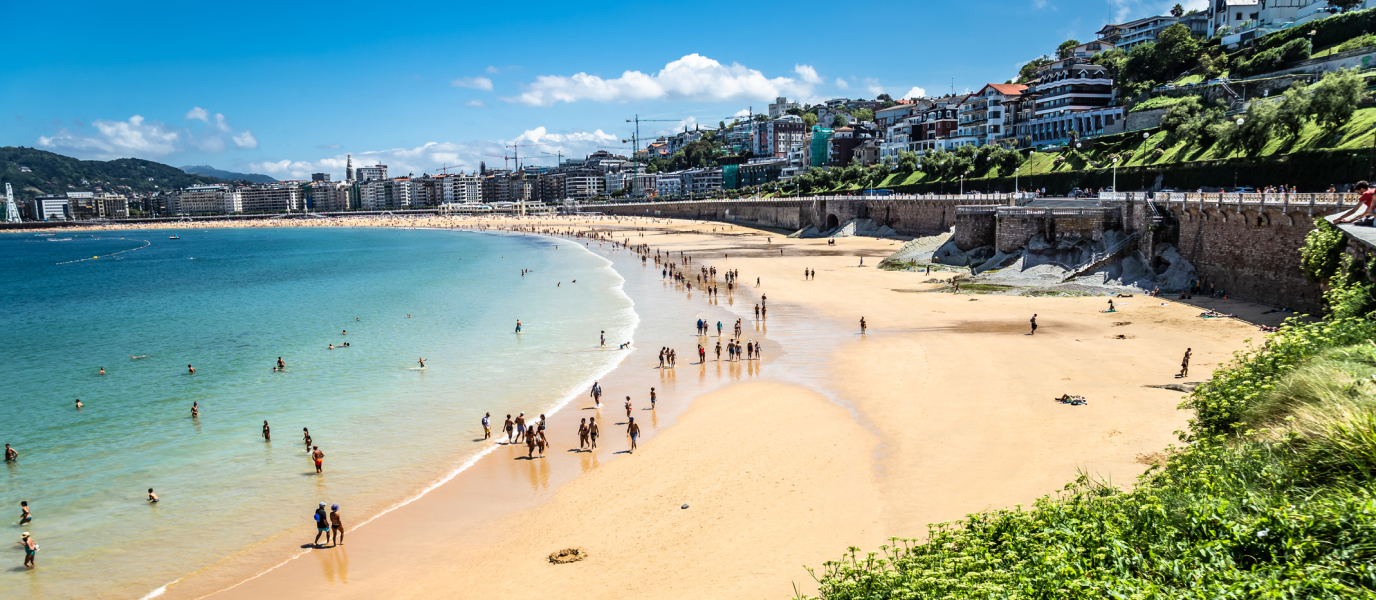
(1240, 121)
(1115, 174)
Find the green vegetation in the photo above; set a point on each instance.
(1271, 498)
(51, 173)
(1274, 59)
(1158, 102)
(1327, 32)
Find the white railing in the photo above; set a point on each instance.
(1338, 200)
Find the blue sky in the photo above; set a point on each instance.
(288, 89)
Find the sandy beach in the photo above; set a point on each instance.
(944, 406)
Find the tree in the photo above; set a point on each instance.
(1176, 50)
(1142, 64)
(1345, 5)
(863, 114)
(839, 121)
(795, 111)
(810, 119)
(907, 161)
(884, 98)
(1335, 98)
(1257, 129)
(1177, 11)
(1066, 46)
(1293, 112)
(1029, 70)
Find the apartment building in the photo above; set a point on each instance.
(272, 197)
(205, 200)
(373, 173)
(775, 137)
(50, 208)
(1126, 36)
(668, 185)
(328, 196)
(386, 194)
(983, 118)
(1078, 98)
(700, 183)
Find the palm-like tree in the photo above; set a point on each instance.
(1177, 11)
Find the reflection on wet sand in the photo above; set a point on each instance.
(335, 565)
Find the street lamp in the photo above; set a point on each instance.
(1115, 174)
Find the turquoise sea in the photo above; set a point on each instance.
(230, 302)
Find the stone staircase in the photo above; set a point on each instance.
(919, 249)
(1117, 252)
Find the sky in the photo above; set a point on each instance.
(288, 90)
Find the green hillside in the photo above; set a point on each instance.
(51, 173)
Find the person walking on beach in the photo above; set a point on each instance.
(30, 549)
(652, 395)
(759, 355)
(702, 354)
(508, 427)
(520, 428)
(862, 325)
(718, 349)
(322, 525)
(633, 430)
(530, 445)
(541, 441)
(718, 329)
(319, 460)
(11, 454)
(267, 432)
(628, 406)
(582, 434)
(487, 426)
(1034, 325)
(1185, 363)
(757, 312)
(24, 515)
(592, 433)
(603, 336)
(336, 526)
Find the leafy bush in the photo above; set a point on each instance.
(1322, 247)
(1335, 98)
(1275, 59)
(1330, 31)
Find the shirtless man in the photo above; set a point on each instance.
(633, 430)
(281, 366)
(520, 427)
(582, 434)
(24, 515)
(152, 498)
(319, 459)
(487, 426)
(79, 404)
(592, 433)
(1034, 325)
(652, 395)
(421, 360)
(518, 321)
(267, 432)
(1185, 363)
(11, 454)
(190, 369)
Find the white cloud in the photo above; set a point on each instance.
(221, 123)
(493, 69)
(916, 92)
(693, 77)
(475, 102)
(210, 145)
(683, 124)
(198, 113)
(283, 169)
(872, 86)
(246, 140)
(1126, 10)
(1038, 4)
(808, 73)
(540, 135)
(476, 83)
(744, 112)
(117, 139)
(841, 83)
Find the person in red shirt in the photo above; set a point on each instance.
(1364, 206)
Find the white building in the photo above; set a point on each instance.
(387, 194)
(205, 200)
(373, 173)
(780, 107)
(271, 197)
(983, 118)
(582, 186)
(328, 196)
(667, 185)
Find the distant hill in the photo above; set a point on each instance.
(228, 175)
(49, 173)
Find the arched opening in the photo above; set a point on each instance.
(832, 222)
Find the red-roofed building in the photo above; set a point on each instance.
(983, 117)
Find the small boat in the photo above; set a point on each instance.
(174, 237)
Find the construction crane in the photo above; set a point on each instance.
(635, 147)
(516, 151)
(504, 158)
(445, 168)
(558, 157)
(11, 211)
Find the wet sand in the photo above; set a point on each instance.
(944, 407)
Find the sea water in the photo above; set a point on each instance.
(229, 302)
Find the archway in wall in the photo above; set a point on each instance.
(832, 222)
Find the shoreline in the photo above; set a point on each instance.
(908, 447)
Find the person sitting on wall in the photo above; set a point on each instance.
(1363, 207)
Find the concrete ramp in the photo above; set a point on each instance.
(919, 249)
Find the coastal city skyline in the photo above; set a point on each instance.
(457, 95)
